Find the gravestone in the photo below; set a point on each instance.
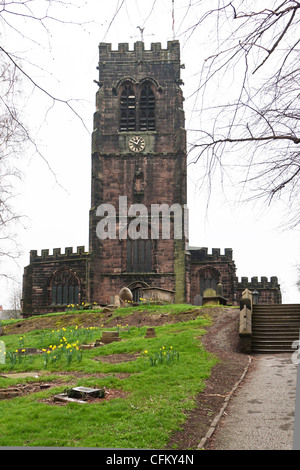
(2, 352)
(108, 337)
(210, 297)
(219, 289)
(197, 300)
(126, 297)
(150, 333)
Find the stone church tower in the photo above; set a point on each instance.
(138, 158)
(138, 228)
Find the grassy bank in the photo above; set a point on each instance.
(159, 383)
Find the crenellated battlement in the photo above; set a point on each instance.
(172, 52)
(254, 283)
(57, 254)
(201, 254)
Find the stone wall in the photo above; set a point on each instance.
(268, 290)
(36, 296)
(222, 266)
(214, 264)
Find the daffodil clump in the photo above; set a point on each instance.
(67, 344)
(82, 306)
(79, 334)
(55, 345)
(163, 356)
(121, 328)
(147, 301)
(55, 353)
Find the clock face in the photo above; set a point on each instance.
(136, 144)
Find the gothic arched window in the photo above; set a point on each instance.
(127, 109)
(137, 107)
(64, 288)
(209, 278)
(147, 109)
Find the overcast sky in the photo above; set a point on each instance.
(57, 209)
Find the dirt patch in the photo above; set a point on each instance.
(221, 339)
(117, 358)
(26, 389)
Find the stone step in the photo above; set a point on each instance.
(270, 351)
(279, 326)
(275, 328)
(275, 306)
(272, 343)
(270, 335)
(279, 311)
(276, 321)
(271, 318)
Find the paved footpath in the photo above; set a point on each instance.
(261, 412)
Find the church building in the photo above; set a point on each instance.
(138, 227)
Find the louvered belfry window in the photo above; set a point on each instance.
(147, 109)
(135, 117)
(128, 109)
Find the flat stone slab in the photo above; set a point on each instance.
(20, 375)
(79, 395)
(63, 397)
(87, 346)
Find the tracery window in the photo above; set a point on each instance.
(127, 109)
(147, 109)
(64, 288)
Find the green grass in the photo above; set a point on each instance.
(157, 396)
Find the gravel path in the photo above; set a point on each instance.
(261, 413)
